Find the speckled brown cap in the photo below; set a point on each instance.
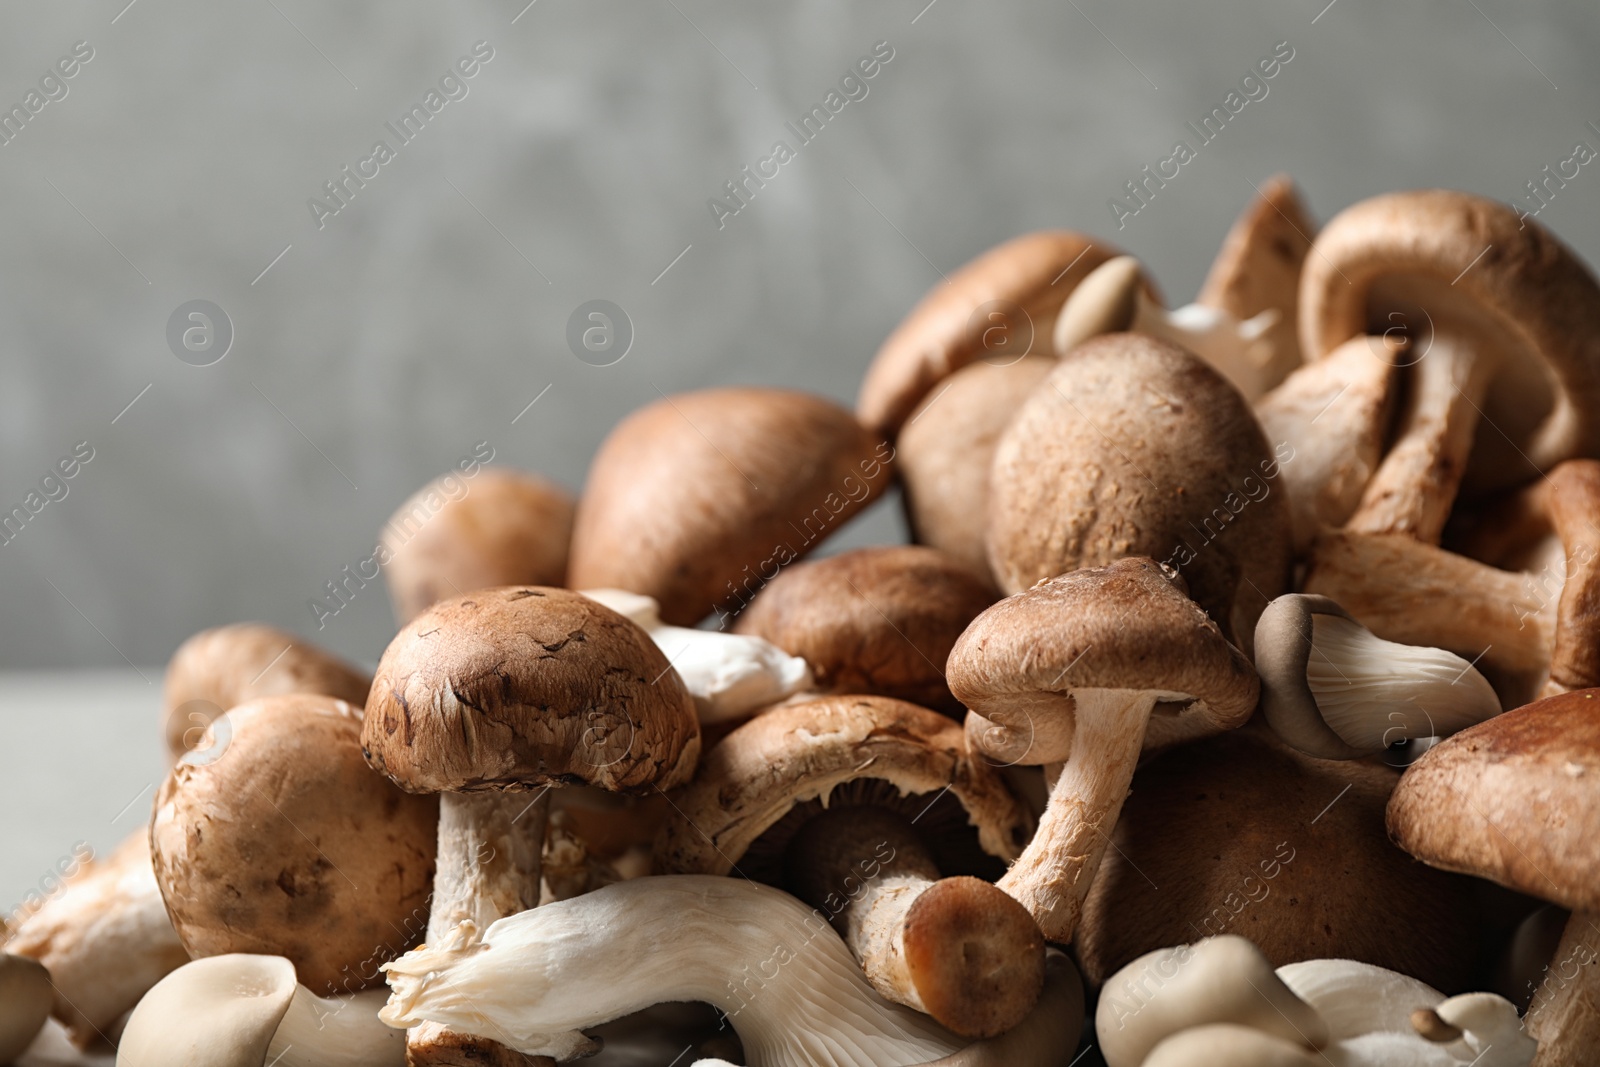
(947, 446)
(1134, 447)
(1025, 281)
(1515, 799)
(284, 842)
(218, 668)
(1124, 626)
(801, 752)
(522, 686)
(698, 499)
(457, 534)
(873, 620)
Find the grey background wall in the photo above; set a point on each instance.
(372, 351)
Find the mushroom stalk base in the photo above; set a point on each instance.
(1053, 875)
(490, 849)
(1565, 1014)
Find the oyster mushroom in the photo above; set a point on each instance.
(1083, 672)
(873, 620)
(698, 499)
(456, 535)
(488, 697)
(836, 790)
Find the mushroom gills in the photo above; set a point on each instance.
(1374, 693)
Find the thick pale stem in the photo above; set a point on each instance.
(1053, 875)
(335, 1032)
(1565, 1014)
(490, 848)
(1416, 484)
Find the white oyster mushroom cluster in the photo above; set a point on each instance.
(729, 675)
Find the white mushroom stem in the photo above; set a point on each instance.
(787, 982)
(729, 675)
(1416, 484)
(335, 1032)
(1052, 876)
(1375, 693)
(1565, 1014)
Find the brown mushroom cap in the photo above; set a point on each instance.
(799, 752)
(947, 446)
(512, 688)
(1032, 274)
(25, 1000)
(1123, 626)
(456, 535)
(219, 668)
(288, 844)
(873, 620)
(1477, 265)
(1515, 799)
(1134, 447)
(1245, 836)
(699, 498)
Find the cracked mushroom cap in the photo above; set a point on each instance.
(1018, 286)
(946, 449)
(1476, 264)
(1515, 799)
(873, 620)
(219, 668)
(459, 534)
(513, 688)
(1124, 626)
(698, 499)
(801, 752)
(286, 843)
(1135, 447)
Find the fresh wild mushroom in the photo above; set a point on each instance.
(844, 794)
(1236, 1046)
(729, 675)
(1333, 690)
(698, 499)
(105, 938)
(878, 620)
(1001, 305)
(1133, 447)
(217, 669)
(1244, 835)
(1515, 800)
(1114, 299)
(1504, 324)
(289, 845)
(486, 698)
(1083, 672)
(26, 997)
(241, 1010)
(534, 981)
(459, 534)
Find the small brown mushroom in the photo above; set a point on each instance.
(698, 499)
(486, 697)
(954, 947)
(1515, 800)
(946, 448)
(873, 620)
(217, 669)
(1005, 301)
(286, 844)
(1083, 672)
(1504, 322)
(456, 535)
(1134, 447)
